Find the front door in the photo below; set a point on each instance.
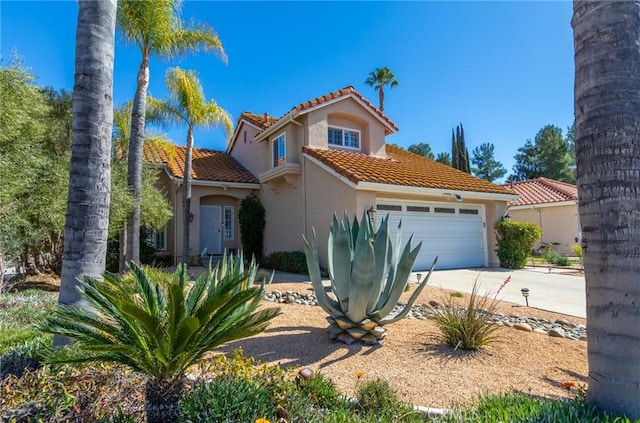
(210, 229)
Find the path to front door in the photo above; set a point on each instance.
(210, 229)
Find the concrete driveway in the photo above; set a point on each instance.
(557, 292)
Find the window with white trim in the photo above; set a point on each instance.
(344, 137)
(158, 239)
(279, 150)
(228, 223)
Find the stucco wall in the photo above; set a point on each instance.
(559, 224)
(282, 201)
(346, 113)
(252, 155)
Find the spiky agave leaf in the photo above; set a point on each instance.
(313, 265)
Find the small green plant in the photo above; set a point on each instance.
(251, 217)
(577, 250)
(456, 294)
(286, 261)
(319, 391)
(470, 327)
(376, 398)
(515, 242)
(553, 257)
(367, 276)
(161, 326)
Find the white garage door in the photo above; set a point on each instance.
(453, 232)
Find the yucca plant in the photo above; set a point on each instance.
(368, 276)
(161, 326)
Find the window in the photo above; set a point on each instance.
(444, 210)
(228, 223)
(418, 209)
(279, 151)
(344, 137)
(389, 207)
(158, 239)
(468, 211)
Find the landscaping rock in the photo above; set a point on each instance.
(523, 327)
(557, 333)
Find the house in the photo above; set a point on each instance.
(325, 156)
(552, 205)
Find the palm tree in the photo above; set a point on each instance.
(187, 106)
(160, 324)
(87, 217)
(378, 79)
(156, 28)
(607, 111)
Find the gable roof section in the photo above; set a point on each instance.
(259, 121)
(325, 100)
(403, 168)
(543, 191)
(207, 165)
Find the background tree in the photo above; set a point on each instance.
(459, 152)
(87, 218)
(548, 155)
(156, 28)
(444, 158)
(607, 110)
(378, 79)
(485, 165)
(422, 149)
(187, 106)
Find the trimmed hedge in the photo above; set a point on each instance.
(286, 261)
(515, 241)
(251, 217)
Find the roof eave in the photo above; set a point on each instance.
(225, 185)
(405, 189)
(280, 123)
(545, 205)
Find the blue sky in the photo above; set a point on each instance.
(503, 69)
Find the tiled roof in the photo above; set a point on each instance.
(341, 93)
(207, 165)
(543, 191)
(401, 167)
(261, 121)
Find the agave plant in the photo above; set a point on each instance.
(161, 324)
(367, 274)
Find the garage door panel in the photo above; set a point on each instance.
(457, 239)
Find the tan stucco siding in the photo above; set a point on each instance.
(253, 155)
(348, 114)
(282, 200)
(560, 224)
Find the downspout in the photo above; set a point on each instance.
(175, 221)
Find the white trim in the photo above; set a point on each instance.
(224, 223)
(343, 129)
(222, 184)
(276, 126)
(282, 170)
(545, 205)
(284, 141)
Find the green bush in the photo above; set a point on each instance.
(553, 257)
(577, 250)
(376, 398)
(470, 327)
(286, 261)
(319, 391)
(515, 241)
(252, 222)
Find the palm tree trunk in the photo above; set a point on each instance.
(134, 163)
(162, 399)
(87, 218)
(186, 203)
(381, 98)
(607, 110)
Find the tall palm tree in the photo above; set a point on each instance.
(607, 111)
(187, 106)
(378, 79)
(160, 325)
(157, 29)
(87, 218)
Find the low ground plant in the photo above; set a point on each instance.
(469, 326)
(551, 256)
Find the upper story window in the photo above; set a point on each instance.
(279, 150)
(344, 137)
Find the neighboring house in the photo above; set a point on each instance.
(327, 156)
(553, 206)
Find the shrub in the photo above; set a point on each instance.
(515, 241)
(377, 399)
(553, 257)
(577, 250)
(319, 391)
(470, 327)
(286, 261)
(252, 222)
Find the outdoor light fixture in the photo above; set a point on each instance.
(372, 215)
(190, 217)
(525, 294)
(419, 277)
(447, 196)
(458, 197)
(506, 217)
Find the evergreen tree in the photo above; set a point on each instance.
(444, 158)
(486, 166)
(547, 156)
(422, 149)
(459, 152)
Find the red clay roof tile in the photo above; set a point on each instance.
(401, 167)
(207, 165)
(261, 121)
(543, 191)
